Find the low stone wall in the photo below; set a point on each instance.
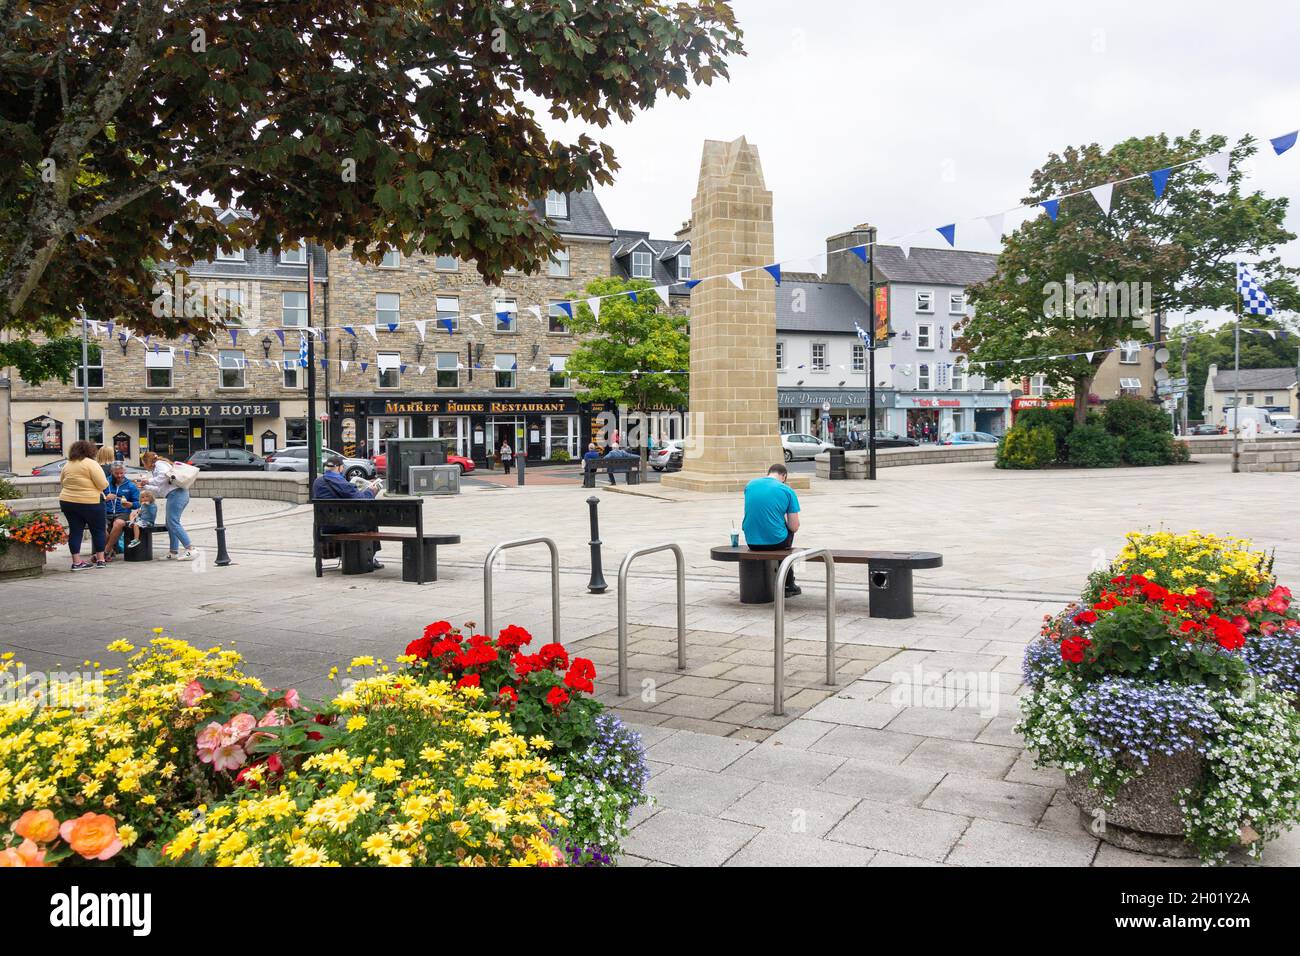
(1222, 444)
(855, 462)
(1271, 456)
(287, 486)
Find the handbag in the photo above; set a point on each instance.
(183, 475)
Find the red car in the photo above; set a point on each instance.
(381, 463)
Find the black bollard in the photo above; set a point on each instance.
(519, 469)
(223, 556)
(597, 584)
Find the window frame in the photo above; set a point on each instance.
(929, 336)
(441, 314)
(383, 263)
(236, 255)
(241, 368)
(289, 364)
(960, 299)
(379, 323)
(560, 258)
(634, 258)
(557, 204)
(439, 369)
(439, 267)
(512, 326)
(498, 371)
(566, 381)
(88, 368)
(814, 364)
(683, 273)
(859, 357)
(285, 310)
(300, 248)
(555, 317)
(380, 372)
(928, 307)
(924, 378)
(780, 355)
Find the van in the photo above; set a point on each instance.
(1284, 423)
(1254, 421)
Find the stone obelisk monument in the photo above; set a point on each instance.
(734, 434)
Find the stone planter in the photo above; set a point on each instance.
(1145, 815)
(21, 561)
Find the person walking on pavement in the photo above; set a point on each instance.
(507, 455)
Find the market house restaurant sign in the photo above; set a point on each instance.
(456, 406)
(193, 409)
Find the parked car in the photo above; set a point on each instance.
(970, 438)
(663, 452)
(380, 463)
(803, 446)
(888, 439)
(52, 470)
(1286, 424)
(1206, 429)
(294, 458)
(226, 459)
(674, 460)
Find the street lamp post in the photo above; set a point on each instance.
(871, 355)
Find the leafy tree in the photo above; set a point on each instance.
(636, 342)
(1206, 347)
(381, 123)
(1182, 245)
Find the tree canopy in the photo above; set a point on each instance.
(1077, 284)
(377, 123)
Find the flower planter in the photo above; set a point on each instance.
(21, 561)
(1145, 815)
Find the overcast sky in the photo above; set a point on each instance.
(911, 115)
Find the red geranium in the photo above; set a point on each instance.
(1227, 634)
(1072, 649)
(558, 697)
(420, 648)
(508, 693)
(513, 637)
(469, 680)
(527, 663)
(437, 629)
(554, 655)
(1085, 617)
(580, 675)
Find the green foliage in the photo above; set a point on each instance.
(9, 491)
(1091, 446)
(1059, 420)
(1023, 447)
(1146, 449)
(1128, 416)
(1182, 245)
(38, 362)
(378, 124)
(560, 455)
(1205, 348)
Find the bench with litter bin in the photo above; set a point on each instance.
(889, 574)
(357, 522)
(631, 467)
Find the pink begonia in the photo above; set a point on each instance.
(291, 700)
(273, 718)
(192, 694)
(209, 739)
(228, 757)
(239, 727)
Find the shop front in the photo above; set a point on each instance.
(176, 430)
(930, 415)
(829, 412)
(474, 427)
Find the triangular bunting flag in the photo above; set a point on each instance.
(1284, 142)
(949, 232)
(345, 363)
(995, 222)
(1220, 164)
(350, 331)
(279, 333)
(631, 294)
(476, 318)
(906, 246)
(1103, 195)
(1089, 355)
(566, 308)
(1159, 179)
(446, 324)
(594, 304)
(422, 368)
(692, 283)
(419, 326)
(816, 264)
(774, 270)
(662, 292)
(859, 251)
(234, 337)
(537, 312)
(370, 330)
(1053, 206)
(364, 366)
(737, 280)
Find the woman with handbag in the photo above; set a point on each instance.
(168, 482)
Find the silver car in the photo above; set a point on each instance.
(294, 458)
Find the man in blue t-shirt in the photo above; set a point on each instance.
(772, 516)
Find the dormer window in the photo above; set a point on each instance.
(294, 256)
(641, 262)
(224, 255)
(684, 266)
(557, 205)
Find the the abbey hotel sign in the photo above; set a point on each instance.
(193, 409)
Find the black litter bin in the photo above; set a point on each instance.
(891, 592)
(838, 472)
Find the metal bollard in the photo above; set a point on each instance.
(223, 556)
(519, 469)
(597, 583)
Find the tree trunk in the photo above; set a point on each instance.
(1082, 389)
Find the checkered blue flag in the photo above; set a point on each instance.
(861, 334)
(302, 351)
(1253, 298)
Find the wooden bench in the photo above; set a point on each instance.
(611, 466)
(356, 523)
(889, 572)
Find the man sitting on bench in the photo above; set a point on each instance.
(772, 517)
(332, 484)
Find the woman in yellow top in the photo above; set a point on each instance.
(81, 497)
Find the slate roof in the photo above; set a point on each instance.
(663, 267)
(262, 264)
(938, 266)
(825, 307)
(1256, 378)
(586, 216)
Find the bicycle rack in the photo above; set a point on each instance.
(778, 675)
(555, 581)
(622, 608)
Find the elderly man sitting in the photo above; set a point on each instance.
(332, 484)
(121, 497)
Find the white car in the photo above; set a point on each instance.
(663, 451)
(803, 446)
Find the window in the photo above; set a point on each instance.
(96, 431)
(1038, 385)
(448, 373)
(230, 305)
(559, 267)
(92, 374)
(235, 256)
(924, 301)
(641, 261)
(556, 315)
(506, 312)
(1128, 352)
(448, 311)
(859, 357)
(923, 377)
(1250, 399)
(295, 431)
(959, 375)
(559, 378)
(293, 372)
(1130, 386)
(388, 310)
(819, 357)
(297, 256)
(956, 303)
(293, 310)
(230, 366)
(924, 335)
(684, 266)
(158, 368)
(446, 264)
(780, 355)
(557, 205)
(392, 260)
(1268, 399)
(390, 369)
(505, 366)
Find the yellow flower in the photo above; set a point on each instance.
(355, 723)
(376, 843)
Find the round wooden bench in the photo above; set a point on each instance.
(890, 574)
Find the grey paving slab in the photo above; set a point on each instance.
(698, 791)
(783, 765)
(960, 756)
(883, 783)
(688, 839)
(990, 799)
(991, 843)
(774, 848)
(790, 809)
(866, 743)
(701, 751)
(931, 722)
(849, 710)
(910, 831)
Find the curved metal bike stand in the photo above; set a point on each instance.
(622, 608)
(555, 581)
(778, 674)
